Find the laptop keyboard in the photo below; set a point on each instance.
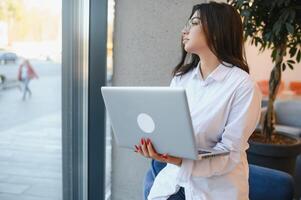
(203, 152)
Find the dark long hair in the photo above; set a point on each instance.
(224, 36)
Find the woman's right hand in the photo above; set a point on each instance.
(146, 149)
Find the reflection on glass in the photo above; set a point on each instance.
(30, 99)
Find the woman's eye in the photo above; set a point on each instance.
(195, 22)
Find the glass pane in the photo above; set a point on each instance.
(111, 4)
(30, 99)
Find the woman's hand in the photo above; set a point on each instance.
(146, 149)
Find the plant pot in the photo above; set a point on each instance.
(281, 157)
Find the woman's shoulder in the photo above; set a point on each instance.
(242, 78)
(245, 82)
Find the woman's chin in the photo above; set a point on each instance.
(187, 48)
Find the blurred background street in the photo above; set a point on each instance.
(30, 135)
(46, 91)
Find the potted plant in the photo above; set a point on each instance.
(274, 25)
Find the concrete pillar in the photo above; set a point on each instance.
(146, 48)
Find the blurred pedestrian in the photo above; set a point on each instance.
(25, 74)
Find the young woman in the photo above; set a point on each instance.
(25, 74)
(225, 106)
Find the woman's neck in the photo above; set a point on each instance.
(208, 63)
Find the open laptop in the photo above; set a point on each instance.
(159, 113)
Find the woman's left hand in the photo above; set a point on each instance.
(146, 149)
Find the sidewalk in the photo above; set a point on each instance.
(30, 160)
(30, 137)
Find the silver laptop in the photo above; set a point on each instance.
(159, 113)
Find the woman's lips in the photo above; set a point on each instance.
(185, 40)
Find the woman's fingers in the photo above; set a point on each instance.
(138, 149)
(162, 157)
(152, 152)
(144, 148)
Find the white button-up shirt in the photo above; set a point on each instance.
(225, 109)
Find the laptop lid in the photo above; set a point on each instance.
(159, 113)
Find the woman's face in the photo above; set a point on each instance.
(193, 36)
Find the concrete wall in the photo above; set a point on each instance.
(146, 48)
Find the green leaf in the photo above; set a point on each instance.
(280, 2)
(292, 15)
(289, 28)
(274, 53)
(290, 66)
(245, 13)
(277, 27)
(291, 61)
(292, 51)
(285, 15)
(239, 3)
(257, 40)
(267, 36)
(298, 56)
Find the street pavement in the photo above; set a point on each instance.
(30, 137)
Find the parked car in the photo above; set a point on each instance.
(8, 57)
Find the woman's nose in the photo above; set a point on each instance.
(184, 31)
(184, 34)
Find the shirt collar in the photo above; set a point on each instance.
(217, 74)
